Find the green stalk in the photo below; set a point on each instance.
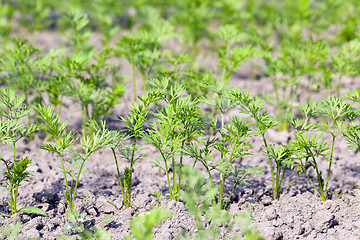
(271, 167)
(331, 158)
(13, 188)
(64, 171)
(83, 120)
(307, 175)
(281, 177)
(14, 199)
(210, 178)
(77, 181)
(222, 184)
(131, 169)
(87, 115)
(234, 188)
(232, 191)
(266, 145)
(276, 194)
(222, 119)
(221, 190)
(181, 164)
(318, 174)
(118, 172)
(173, 167)
(167, 173)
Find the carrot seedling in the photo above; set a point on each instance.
(262, 122)
(63, 140)
(12, 129)
(308, 148)
(134, 127)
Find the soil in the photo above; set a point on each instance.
(300, 214)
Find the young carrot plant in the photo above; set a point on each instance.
(344, 62)
(142, 49)
(279, 158)
(34, 15)
(134, 127)
(164, 135)
(54, 80)
(178, 123)
(12, 129)
(231, 56)
(63, 140)
(192, 18)
(231, 144)
(313, 57)
(78, 33)
(21, 67)
(88, 85)
(293, 64)
(286, 86)
(308, 148)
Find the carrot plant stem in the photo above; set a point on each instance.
(131, 169)
(173, 168)
(167, 173)
(77, 181)
(180, 166)
(330, 163)
(119, 176)
(64, 171)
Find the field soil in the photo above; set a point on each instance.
(299, 214)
